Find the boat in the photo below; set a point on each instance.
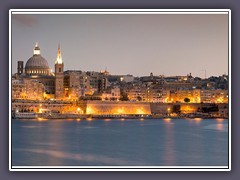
(29, 115)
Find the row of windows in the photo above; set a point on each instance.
(38, 72)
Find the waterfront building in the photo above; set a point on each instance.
(36, 88)
(199, 95)
(137, 93)
(72, 86)
(214, 96)
(17, 89)
(183, 96)
(27, 89)
(102, 84)
(113, 94)
(149, 93)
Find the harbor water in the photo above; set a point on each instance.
(120, 142)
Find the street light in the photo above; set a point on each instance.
(78, 109)
(168, 111)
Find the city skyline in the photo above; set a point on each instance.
(126, 44)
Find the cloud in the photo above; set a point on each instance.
(25, 20)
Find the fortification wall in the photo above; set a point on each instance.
(101, 108)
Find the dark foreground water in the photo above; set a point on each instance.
(133, 142)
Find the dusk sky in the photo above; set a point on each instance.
(126, 44)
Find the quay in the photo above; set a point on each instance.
(100, 109)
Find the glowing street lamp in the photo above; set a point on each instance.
(168, 109)
(78, 110)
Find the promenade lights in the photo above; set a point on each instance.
(79, 110)
(168, 109)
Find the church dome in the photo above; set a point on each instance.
(37, 65)
(37, 61)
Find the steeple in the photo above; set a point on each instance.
(59, 56)
(36, 50)
(59, 69)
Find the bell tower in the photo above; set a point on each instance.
(59, 91)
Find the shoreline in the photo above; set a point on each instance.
(121, 117)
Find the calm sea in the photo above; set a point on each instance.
(114, 142)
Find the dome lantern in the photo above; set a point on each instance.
(36, 50)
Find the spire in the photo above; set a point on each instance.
(59, 56)
(36, 50)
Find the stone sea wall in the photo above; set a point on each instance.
(104, 107)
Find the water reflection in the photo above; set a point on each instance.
(167, 120)
(163, 142)
(220, 120)
(169, 153)
(106, 120)
(89, 119)
(220, 127)
(197, 120)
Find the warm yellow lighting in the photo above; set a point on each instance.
(90, 110)
(140, 111)
(199, 100)
(220, 100)
(166, 99)
(167, 120)
(220, 120)
(41, 119)
(197, 119)
(120, 111)
(89, 119)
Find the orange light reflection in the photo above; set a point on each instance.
(167, 120)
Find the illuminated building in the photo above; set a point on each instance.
(59, 90)
(102, 84)
(36, 69)
(37, 65)
(214, 96)
(181, 95)
(150, 94)
(112, 95)
(27, 89)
